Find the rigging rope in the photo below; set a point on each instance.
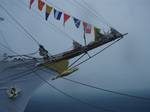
(98, 15)
(15, 78)
(96, 54)
(29, 55)
(80, 82)
(31, 37)
(17, 75)
(106, 90)
(26, 73)
(28, 34)
(77, 60)
(17, 55)
(20, 74)
(74, 98)
(7, 48)
(3, 37)
(92, 12)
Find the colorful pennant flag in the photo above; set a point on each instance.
(57, 14)
(31, 2)
(48, 11)
(77, 22)
(87, 27)
(40, 4)
(97, 33)
(66, 18)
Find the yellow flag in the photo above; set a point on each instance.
(48, 11)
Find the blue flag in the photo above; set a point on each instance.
(57, 14)
(77, 22)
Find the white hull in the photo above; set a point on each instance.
(26, 83)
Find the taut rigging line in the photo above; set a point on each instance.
(96, 53)
(96, 13)
(93, 12)
(31, 36)
(74, 98)
(8, 48)
(106, 90)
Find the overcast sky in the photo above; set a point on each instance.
(125, 66)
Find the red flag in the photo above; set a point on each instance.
(66, 18)
(40, 4)
(87, 27)
(31, 2)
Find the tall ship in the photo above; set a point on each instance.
(22, 74)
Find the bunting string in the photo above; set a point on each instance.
(87, 28)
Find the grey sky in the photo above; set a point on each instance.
(124, 66)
